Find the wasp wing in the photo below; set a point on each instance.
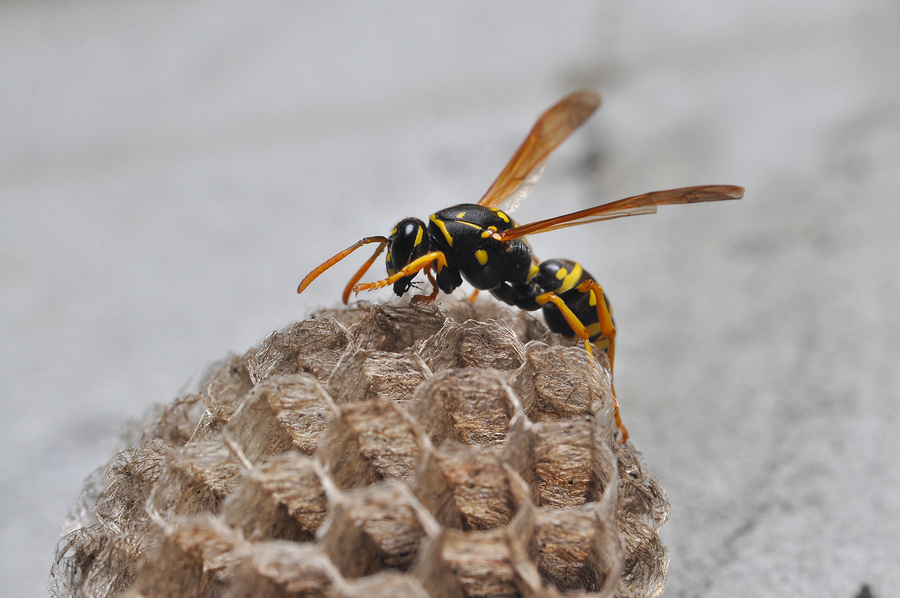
(526, 165)
(630, 206)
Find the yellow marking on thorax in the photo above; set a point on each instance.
(443, 227)
(472, 224)
(501, 215)
(482, 256)
(461, 215)
(489, 232)
(418, 237)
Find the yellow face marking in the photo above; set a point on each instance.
(534, 270)
(418, 237)
(461, 215)
(443, 228)
(482, 256)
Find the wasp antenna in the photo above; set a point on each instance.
(338, 257)
(361, 272)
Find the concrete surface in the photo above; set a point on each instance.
(170, 170)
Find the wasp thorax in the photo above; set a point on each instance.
(407, 243)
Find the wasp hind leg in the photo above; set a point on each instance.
(604, 317)
(582, 332)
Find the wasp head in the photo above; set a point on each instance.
(408, 241)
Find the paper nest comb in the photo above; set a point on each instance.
(378, 451)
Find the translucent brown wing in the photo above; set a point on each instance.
(551, 129)
(630, 206)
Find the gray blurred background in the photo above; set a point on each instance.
(170, 170)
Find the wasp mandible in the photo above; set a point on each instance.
(483, 245)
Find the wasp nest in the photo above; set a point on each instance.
(393, 450)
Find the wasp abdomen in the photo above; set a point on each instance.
(565, 278)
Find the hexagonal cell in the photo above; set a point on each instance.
(348, 315)
(371, 441)
(365, 375)
(486, 564)
(313, 346)
(524, 324)
(375, 528)
(394, 327)
(567, 462)
(641, 510)
(195, 479)
(283, 570)
(194, 558)
(470, 489)
(132, 476)
(222, 391)
(283, 498)
(646, 558)
(491, 345)
(281, 414)
(639, 492)
(579, 549)
(470, 406)
(228, 382)
(561, 382)
(177, 423)
(388, 584)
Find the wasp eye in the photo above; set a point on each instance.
(408, 242)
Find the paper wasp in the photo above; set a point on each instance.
(481, 244)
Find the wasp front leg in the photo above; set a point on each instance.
(411, 269)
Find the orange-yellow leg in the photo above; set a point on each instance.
(361, 272)
(474, 296)
(608, 330)
(434, 287)
(582, 333)
(411, 268)
(607, 327)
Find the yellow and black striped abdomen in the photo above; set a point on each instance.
(563, 277)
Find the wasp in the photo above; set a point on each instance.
(480, 243)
